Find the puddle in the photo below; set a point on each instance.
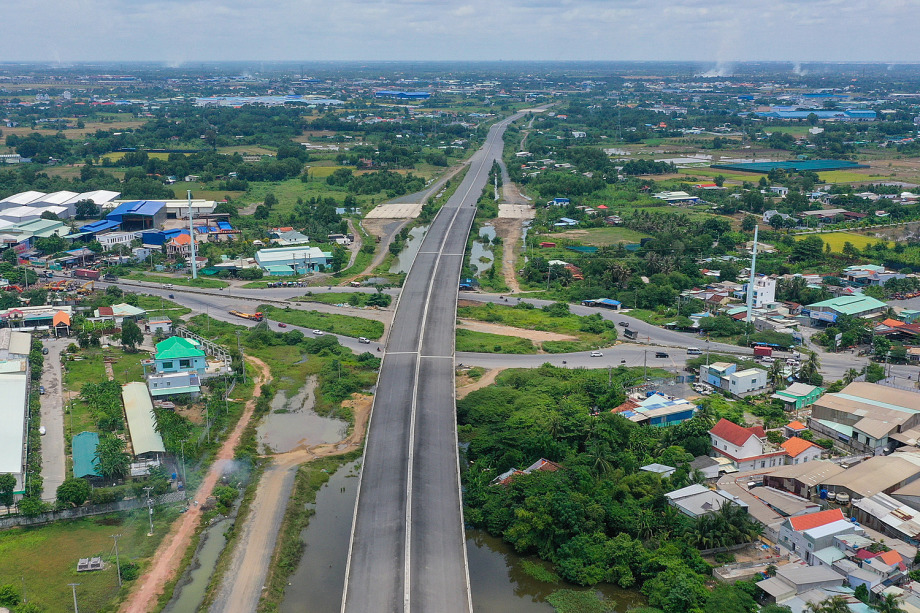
(298, 424)
(403, 261)
(481, 256)
(190, 590)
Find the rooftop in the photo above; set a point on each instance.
(733, 433)
(850, 305)
(141, 420)
(176, 347)
(796, 446)
(814, 520)
(85, 463)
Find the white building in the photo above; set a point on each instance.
(806, 534)
(746, 381)
(113, 239)
(764, 291)
(744, 447)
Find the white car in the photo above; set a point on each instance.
(597, 354)
(168, 286)
(41, 430)
(317, 333)
(767, 360)
(364, 341)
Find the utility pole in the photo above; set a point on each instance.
(750, 292)
(191, 231)
(184, 473)
(645, 363)
(73, 586)
(242, 359)
(149, 509)
(117, 562)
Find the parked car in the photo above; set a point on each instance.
(281, 324)
(767, 360)
(661, 354)
(44, 351)
(364, 341)
(41, 390)
(41, 430)
(597, 354)
(317, 333)
(169, 286)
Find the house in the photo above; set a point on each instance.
(163, 384)
(566, 222)
(798, 396)
(120, 312)
(158, 325)
(726, 376)
(744, 447)
(764, 291)
(800, 451)
(857, 305)
(867, 417)
(656, 410)
(179, 354)
(889, 516)
(794, 428)
(696, 500)
(806, 534)
(803, 480)
(85, 463)
(708, 466)
(794, 579)
(180, 245)
(675, 198)
(288, 237)
(658, 469)
(110, 240)
(300, 259)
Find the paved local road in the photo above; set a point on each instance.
(52, 418)
(407, 548)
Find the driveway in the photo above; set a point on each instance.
(52, 418)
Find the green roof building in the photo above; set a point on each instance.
(798, 395)
(85, 464)
(857, 305)
(177, 354)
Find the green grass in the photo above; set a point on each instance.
(156, 306)
(347, 298)
(538, 319)
(199, 282)
(46, 557)
(740, 177)
(200, 190)
(600, 237)
(347, 325)
(837, 239)
(483, 342)
(846, 176)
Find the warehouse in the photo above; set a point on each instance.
(856, 305)
(300, 259)
(400, 95)
(139, 215)
(145, 440)
(14, 413)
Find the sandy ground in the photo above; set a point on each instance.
(465, 385)
(510, 231)
(534, 335)
(395, 211)
(169, 554)
(244, 581)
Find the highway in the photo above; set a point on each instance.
(407, 548)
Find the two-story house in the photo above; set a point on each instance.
(805, 535)
(177, 354)
(745, 447)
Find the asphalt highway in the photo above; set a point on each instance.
(407, 549)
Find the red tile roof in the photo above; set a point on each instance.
(796, 425)
(796, 446)
(814, 520)
(891, 558)
(106, 311)
(629, 405)
(735, 434)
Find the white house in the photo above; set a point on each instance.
(745, 381)
(800, 451)
(110, 240)
(764, 291)
(744, 447)
(806, 534)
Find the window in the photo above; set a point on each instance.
(185, 363)
(167, 365)
(763, 463)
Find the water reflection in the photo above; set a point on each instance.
(403, 261)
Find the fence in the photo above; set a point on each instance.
(89, 510)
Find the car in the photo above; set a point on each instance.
(169, 286)
(171, 296)
(364, 341)
(282, 324)
(44, 351)
(767, 360)
(661, 354)
(41, 390)
(597, 354)
(317, 333)
(625, 324)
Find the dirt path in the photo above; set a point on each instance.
(246, 577)
(355, 246)
(470, 385)
(169, 554)
(534, 335)
(510, 232)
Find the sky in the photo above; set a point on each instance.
(180, 31)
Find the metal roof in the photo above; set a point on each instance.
(141, 421)
(176, 347)
(85, 463)
(136, 207)
(850, 305)
(14, 392)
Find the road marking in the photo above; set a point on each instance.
(401, 352)
(439, 357)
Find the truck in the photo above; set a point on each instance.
(86, 273)
(253, 316)
(631, 334)
(761, 351)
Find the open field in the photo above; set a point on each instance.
(327, 322)
(246, 149)
(589, 331)
(600, 237)
(321, 172)
(837, 239)
(155, 305)
(74, 133)
(847, 176)
(199, 282)
(181, 189)
(484, 342)
(709, 173)
(117, 155)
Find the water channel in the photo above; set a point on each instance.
(403, 262)
(292, 423)
(481, 255)
(190, 590)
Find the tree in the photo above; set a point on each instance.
(73, 492)
(837, 604)
(748, 223)
(85, 209)
(881, 346)
(131, 335)
(7, 486)
(31, 507)
(775, 374)
(875, 372)
(113, 460)
(9, 595)
(719, 180)
(888, 604)
(807, 250)
(270, 200)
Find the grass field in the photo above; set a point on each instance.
(45, 558)
(483, 342)
(181, 189)
(242, 149)
(601, 237)
(117, 155)
(846, 176)
(347, 325)
(588, 334)
(321, 172)
(154, 305)
(837, 239)
(740, 177)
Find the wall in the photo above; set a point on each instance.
(89, 510)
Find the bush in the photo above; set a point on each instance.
(129, 571)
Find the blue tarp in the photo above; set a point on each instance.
(223, 225)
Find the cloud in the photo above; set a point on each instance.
(714, 31)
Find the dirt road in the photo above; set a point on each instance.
(245, 579)
(169, 554)
(510, 231)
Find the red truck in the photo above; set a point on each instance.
(761, 351)
(86, 273)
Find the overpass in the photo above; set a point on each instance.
(408, 549)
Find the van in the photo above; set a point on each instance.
(694, 351)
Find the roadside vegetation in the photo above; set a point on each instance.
(348, 325)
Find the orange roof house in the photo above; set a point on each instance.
(815, 520)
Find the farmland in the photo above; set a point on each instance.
(601, 237)
(837, 239)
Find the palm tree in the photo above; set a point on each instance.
(889, 604)
(837, 604)
(850, 375)
(776, 374)
(811, 367)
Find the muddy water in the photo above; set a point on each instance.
(403, 261)
(297, 424)
(496, 579)
(481, 255)
(191, 588)
(316, 585)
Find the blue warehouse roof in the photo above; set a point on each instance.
(136, 207)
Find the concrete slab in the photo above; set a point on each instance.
(516, 211)
(395, 211)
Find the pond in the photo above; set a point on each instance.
(403, 262)
(481, 255)
(293, 423)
